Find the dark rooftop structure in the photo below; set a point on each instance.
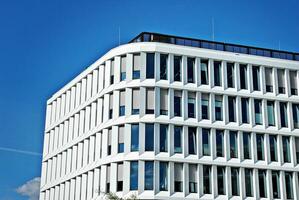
(220, 46)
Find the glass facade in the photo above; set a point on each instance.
(134, 175)
(149, 137)
(134, 137)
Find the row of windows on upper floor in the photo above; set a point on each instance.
(175, 140)
(187, 178)
(220, 73)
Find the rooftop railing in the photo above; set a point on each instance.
(220, 46)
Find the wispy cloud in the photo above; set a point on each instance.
(30, 189)
(20, 151)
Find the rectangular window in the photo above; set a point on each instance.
(269, 79)
(163, 138)
(258, 111)
(122, 103)
(262, 183)
(281, 81)
(293, 82)
(109, 141)
(149, 137)
(192, 178)
(136, 102)
(270, 113)
(273, 148)
(219, 143)
(297, 149)
(231, 109)
(177, 62)
(163, 102)
(256, 78)
(260, 147)
(276, 184)
(247, 145)
(119, 186)
(243, 76)
(177, 139)
(283, 114)
(233, 139)
(217, 73)
(206, 142)
(221, 180)
(192, 140)
(110, 106)
(191, 104)
(235, 181)
(218, 108)
(134, 137)
(190, 70)
(289, 185)
(178, 178)
(205, 106)
(245, 113)
(108, 178)
(204, 72)
(134, 175)
(296, 115)
(163, 176)
(148, 175)
(136, 66)
(177, 106)
(248, 182)
(286, 149)
(123, 63)
(112, 72)
(230, 75)
(163, 66)
(150, 65)
(121, 131)
(207, 179)
(150, 100)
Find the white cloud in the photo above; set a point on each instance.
(30, 188)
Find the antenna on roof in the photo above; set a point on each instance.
(279, 45)
(213, 30)
(119, 36)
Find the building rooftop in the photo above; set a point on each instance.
(220, 46)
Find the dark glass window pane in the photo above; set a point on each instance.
(258, 111)
(190, 69)
(192, 140)
(177, 68)
(262, 183)
(177, 106)
(231, 109)
(149, 175)
(221, 180)
(150, 65)
(191, 107)
(260, 146)
(163, 66)
(149, 137)
(217, 73)
(230, 75)
(296, 115)
(246, 145)
(219, 143)
(256, 78)
(283, 114)
(275, 184)
(122, 110)
(204, 72)
(134, 137)
(286, 149)
(163, 137)
(233, 139)
(120, 147)
(218, 110)
(207, 179)
(244, 104)
(235, 181)
(163, 176)
(273, 147)
(134, 175)
(205, 107)
(248, 182)
(289, 185)
(270, 113)
(206, 142)
(177, 139)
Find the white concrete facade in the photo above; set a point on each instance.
(84, 129)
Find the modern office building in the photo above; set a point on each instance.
(166, 117)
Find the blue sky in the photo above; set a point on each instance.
(44, 44)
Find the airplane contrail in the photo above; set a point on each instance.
(20, 151)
